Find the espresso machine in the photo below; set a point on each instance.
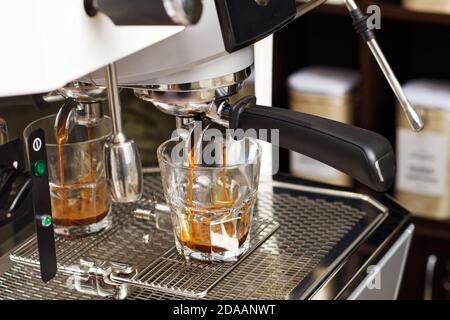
(187, 58)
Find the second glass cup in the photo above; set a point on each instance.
(211, 204)
(79, 191)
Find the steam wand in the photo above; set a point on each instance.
(360, 24)
(123, 163)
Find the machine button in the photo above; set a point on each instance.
(39, 168)
(46, 220)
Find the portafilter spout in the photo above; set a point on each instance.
(123, 163)
(82, 106)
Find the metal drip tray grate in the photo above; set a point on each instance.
(171, 272)
(317, 228)
(133, 245)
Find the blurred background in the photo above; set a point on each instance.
(322, 67)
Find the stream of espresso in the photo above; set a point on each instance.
(61, 139)
(192, 155)
(198, 224)
(83, 201)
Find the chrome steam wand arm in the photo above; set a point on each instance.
(114, 102)
(360, 24)
(123, 163)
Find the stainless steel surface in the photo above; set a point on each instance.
(171, 273)
(66, 114)
(83, 108)
(413, 118)
(383, 279)
(217, 109)
(429, 277)
(351, 5)
(306, 6)
(189, 99)
(124, 170)
(89, 114)
(114, 103)
(80, 91)
(53, 96)
(94, 278)
(123, 162)
(3, 131)
(318, 227)
(184, 12)
(72, 112)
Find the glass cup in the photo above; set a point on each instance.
(79, 191)
(211, 205)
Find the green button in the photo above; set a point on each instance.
(46, 220)
(39, 168)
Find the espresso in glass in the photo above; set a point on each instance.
(211, 205)
(79, 191)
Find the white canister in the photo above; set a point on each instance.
(423, 159)
(326, 92)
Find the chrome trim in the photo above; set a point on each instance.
(19, 195)
(333, 192)
(80, 91)
(189, 99)
(208, 84)
(429, 277)
(377, 166)
(303, 7)
(184, 12)
(411, 114)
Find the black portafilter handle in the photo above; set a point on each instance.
(362, 154)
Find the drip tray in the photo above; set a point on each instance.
(134, 247)
(299, 235)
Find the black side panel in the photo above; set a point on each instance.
(244, 22)
(42, 206)
(12, 152)
(15, 184)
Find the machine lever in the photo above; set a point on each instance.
(362, 154)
